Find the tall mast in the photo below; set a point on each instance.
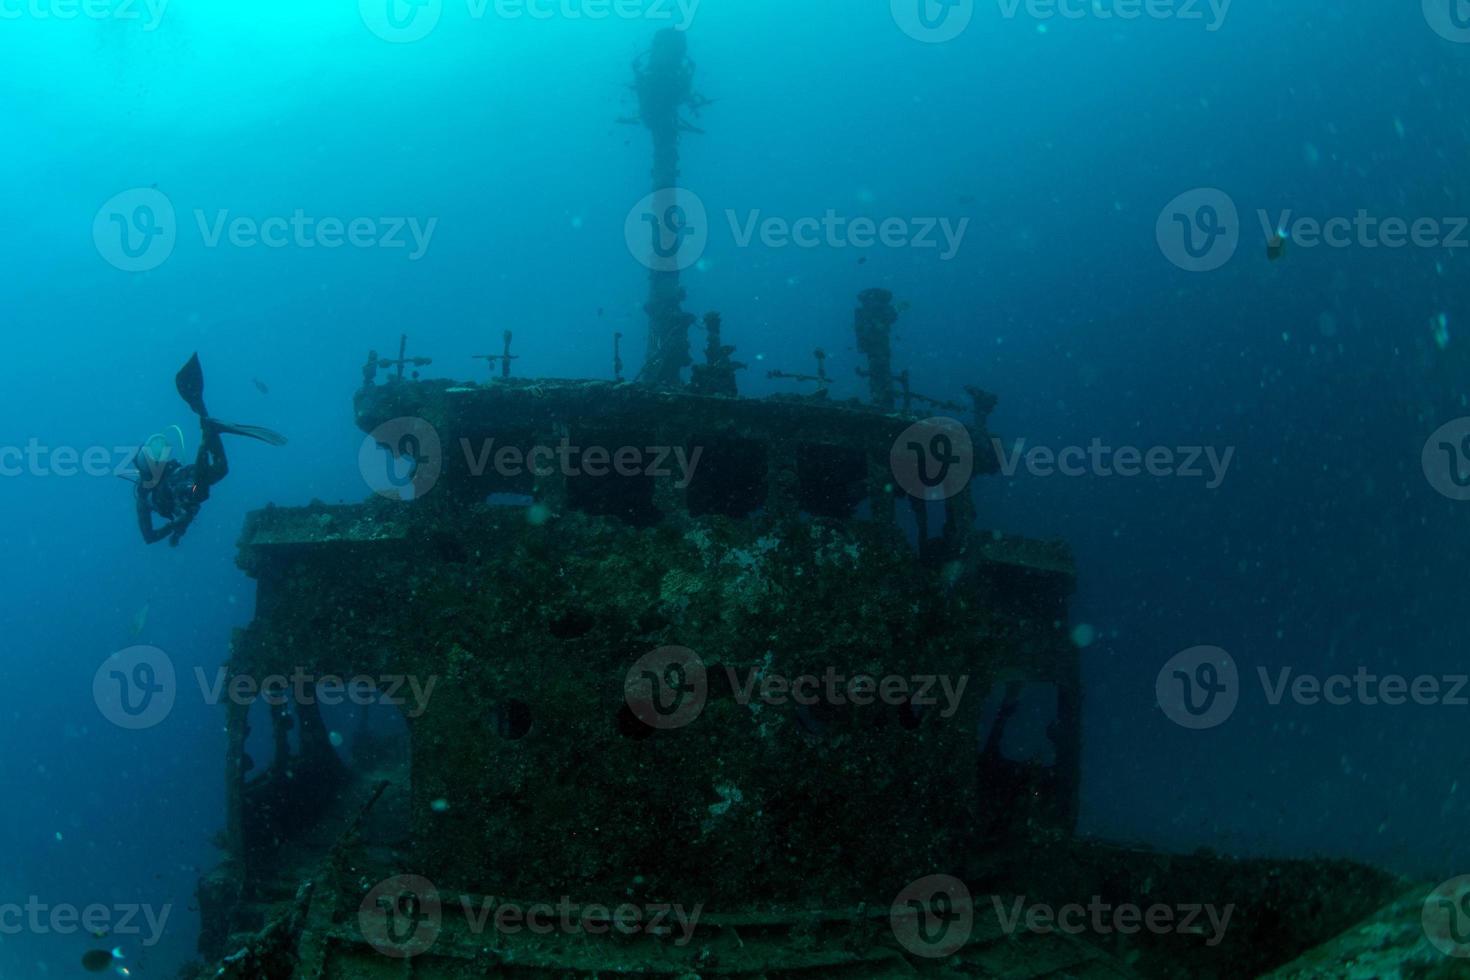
(664, 81)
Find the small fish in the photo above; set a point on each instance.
(1275, 246)
(100, 960)
(140, 620)
(260, 387)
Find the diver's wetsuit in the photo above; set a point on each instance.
(176, 493)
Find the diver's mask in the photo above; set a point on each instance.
(155, 455)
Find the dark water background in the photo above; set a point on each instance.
(1325, 548)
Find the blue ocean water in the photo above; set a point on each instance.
(1059, 149)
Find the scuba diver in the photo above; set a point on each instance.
(173, 490)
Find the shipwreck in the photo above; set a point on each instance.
(594, 631)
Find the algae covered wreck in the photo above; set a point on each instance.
(662, 680)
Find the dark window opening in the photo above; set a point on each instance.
(831, 481)
(373, 741)
(730, 479)
(493, 462)
(611, 474)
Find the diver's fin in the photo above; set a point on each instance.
(190, 382)
(248, 431)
